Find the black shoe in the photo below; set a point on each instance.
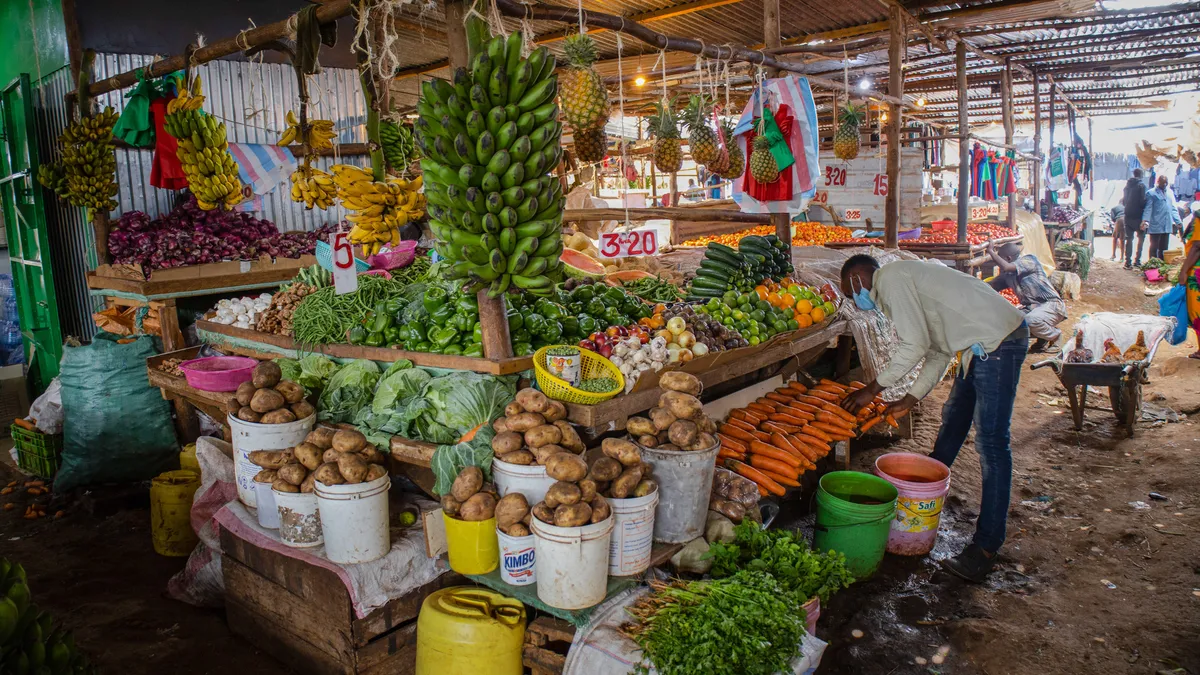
(972, 564)
(1039, 346)
(1128, 266)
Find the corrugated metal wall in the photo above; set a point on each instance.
(251, 99)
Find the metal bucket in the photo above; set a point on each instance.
(684, 481)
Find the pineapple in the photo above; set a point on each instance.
(584, 96)
(701, 139)
(737, 161)
(762, 163)
(845, 141)
(668, 157)
(591, 145)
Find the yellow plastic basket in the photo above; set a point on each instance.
(591, 365)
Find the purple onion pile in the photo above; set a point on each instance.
(189, 235)
(1063, 214)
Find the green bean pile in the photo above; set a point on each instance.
(324, 317)
(653, 289)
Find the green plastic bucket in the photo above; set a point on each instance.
(854, 515)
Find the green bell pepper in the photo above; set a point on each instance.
(552, 332)
(570, 326)
(442, 336)
(434, 298)
(463, 322)
(467, 303)
(521, 335)
(515, 321)
(522, 348)
(441, 315)
(477, 332)
(381, 323)
(394, 306)
(392, 335)
(587, 325)
(534, 323)
(416, 331)
(614, 295)
(452, 349)
(374, 339)
(435, 349)
(596, 307)
(614, 317)
(358, 335)
(551, 310)
(474, 350)
(422, 346)
(583, 293)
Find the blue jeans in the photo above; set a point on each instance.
(985, 397)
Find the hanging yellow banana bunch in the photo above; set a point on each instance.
(378, 209)
(319, 134)
(313, 187)
(203, 150)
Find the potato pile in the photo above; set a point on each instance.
(580, 494)
(267, 399)
(470, 497)
(678, 421)
(534, 429)
(334, 457)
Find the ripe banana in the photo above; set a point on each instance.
(377, 209)
(317, 135)
(87, 174)
(203, 150)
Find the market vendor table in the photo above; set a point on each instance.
(186, 398)
(1056, 232)
(258, 345)
(970, 258)
(162, 294)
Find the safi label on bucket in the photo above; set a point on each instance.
(516, 559)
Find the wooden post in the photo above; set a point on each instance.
(1007, 107)
(493, 318)
(964, 152)
(674, 191)
(1091, 183)
(1040, 166)
(896, 46)
(1049, 199)
(771, 30)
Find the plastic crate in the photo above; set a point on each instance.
(37, 453)
(324, 253)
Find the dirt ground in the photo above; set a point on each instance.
(1049, 607)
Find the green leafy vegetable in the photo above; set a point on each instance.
(784, 555)
(315, 371)
(450, 459)
(349, 390)
(464, 400)
(396, 387)
(289, 369)
(746, 624)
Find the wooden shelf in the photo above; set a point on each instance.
(179, 288)
(268, 345)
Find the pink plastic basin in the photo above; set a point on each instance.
(218, 373)
(922, 483)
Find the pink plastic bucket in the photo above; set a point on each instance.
(218, 373)
(922, 483)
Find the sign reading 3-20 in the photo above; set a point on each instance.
(625, 244)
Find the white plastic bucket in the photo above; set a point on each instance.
(684, 482)
(517, 556)
(633, 535)
(299, 519)
(249, 436)
(572, 563)
(268, 512)
(530, 480)
(355, 520)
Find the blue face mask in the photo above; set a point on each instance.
(862, 297)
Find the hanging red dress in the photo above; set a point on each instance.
(166, 172)
(781, 189)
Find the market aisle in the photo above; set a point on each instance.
(1072, 532)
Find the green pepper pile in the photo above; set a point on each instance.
(578, 313)
(443, 324)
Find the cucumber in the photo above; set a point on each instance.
(732, 258)
(718, 266)
(709, 284)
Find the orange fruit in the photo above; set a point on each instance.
(788, 300)
(803, 307)
(761, 292)
(804, 320)
(774, 299)
(818, 315)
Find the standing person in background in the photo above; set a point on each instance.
(1135, 206)
(1187, 273)
(1118, 236)
(1163, 216)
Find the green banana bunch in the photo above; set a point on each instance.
(87, 175)
(315, 276)
(29, 643)
(488, 141)
(399, 148)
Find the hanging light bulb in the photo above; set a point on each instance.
(640, 80)
(921, 102)
(864, 84)
(883, 117)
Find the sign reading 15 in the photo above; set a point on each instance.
(623, 244)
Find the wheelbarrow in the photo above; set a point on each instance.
(1124, 382)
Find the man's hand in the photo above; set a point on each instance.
(901, 407)
(854, 401)
(991, 247)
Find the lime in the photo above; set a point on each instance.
(753, 340)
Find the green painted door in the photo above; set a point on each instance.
(28, 244)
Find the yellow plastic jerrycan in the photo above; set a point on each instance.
(187, 459)
(465, 630)
(171, 494)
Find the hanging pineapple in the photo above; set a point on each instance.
(701, 139)
(668, 157)
(737, 160)
(591, 145)
(584, 96)
(845, 141)
(762, 163)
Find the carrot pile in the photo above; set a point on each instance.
(778, 437)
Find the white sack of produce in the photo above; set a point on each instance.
(200, 582)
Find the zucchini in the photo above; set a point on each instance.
(732, 259)
(709, 284)
(719, 267)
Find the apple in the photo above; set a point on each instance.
(588, 345)
(604, 350)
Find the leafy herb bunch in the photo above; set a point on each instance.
(784, 555)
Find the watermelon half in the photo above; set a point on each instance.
(580, 265)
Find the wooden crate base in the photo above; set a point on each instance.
(547, 641)
(302, 615)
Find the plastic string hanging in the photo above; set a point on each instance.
(624, 146)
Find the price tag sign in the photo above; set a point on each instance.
(345, 276)
(625, 244)
(821, 197)
(993, 209)
(852, 214)
(977, 213)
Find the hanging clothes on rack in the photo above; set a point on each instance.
(789, 97)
